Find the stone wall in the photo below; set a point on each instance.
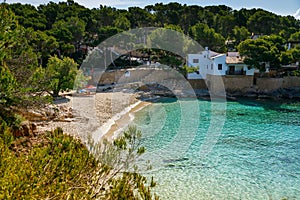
(118, 76)
(146, 75)
(268, 84)
(272, 84)
(237, 82)
(233, 83)
(215, 85)
(291, 81)
(198, 83)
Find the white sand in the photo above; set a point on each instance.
(102, 114)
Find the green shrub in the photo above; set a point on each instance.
(117, 178)
(295, 73)
(57, 166)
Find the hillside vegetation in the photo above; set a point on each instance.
(41, 50)
(68, 28)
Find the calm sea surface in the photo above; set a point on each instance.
(245, 149)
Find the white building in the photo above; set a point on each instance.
(208, 62)
(213, 63)
(236, 66)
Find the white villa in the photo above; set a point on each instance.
(213, 63)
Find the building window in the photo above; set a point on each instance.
(206, 66)
(195, 60)
(219, 66)
(211, 66)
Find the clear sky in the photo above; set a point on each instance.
(281, 7)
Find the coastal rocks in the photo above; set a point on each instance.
(264, 96)
(245, 92)
(253, 92)
(65, 114)
(296, 96)
(236, 93)
(156, 90)
(49, 113)
(144, 88)
(250, 95)
(59, 114)
(291, 93)
(250, 92)
(163, 93)
(171, 89)
(26, 129)
(201, 92)
(34, 115)
(288, 93)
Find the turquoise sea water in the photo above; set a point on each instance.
(245, 149)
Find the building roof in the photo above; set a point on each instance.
(213, 53)
(216, 56)
(234, 58)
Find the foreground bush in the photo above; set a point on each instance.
(57, 166)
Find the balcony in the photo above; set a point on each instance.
(235, 72)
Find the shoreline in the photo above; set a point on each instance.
(117, 126)
(112, 119)
(113, 112)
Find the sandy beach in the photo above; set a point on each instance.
(101, 114)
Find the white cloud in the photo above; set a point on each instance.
(297, 14)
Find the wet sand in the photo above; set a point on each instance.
(124, 121)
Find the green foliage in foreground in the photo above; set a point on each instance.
(118, 178)
(57, 166)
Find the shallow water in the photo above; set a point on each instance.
(255, 154)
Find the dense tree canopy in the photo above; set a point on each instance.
(18, 62)
(207, 37)
(262, 22)
(262, 52)
(68, 28)
(24, 79)
(221, 22)
(295, 37)
(29, 16)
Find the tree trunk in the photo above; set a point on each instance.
(55, 93)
